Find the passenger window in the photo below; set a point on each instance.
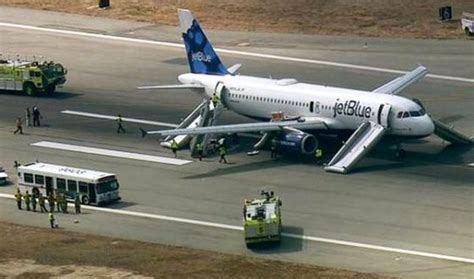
(28, 177)
(399, 115)
(82, 187)
(39, 179)
(60, 184)
(405, 114)
(72, 185)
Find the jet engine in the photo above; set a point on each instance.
(296, 143)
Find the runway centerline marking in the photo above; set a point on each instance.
(237, 52)
(289, 235)
(111, 153)
(126, 119)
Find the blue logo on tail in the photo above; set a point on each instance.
(201, 56)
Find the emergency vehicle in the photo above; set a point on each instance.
(467, 23)
(31, 77)
(93, 187)
(262, 219)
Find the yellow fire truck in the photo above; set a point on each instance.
(31, 77)
(262, 219)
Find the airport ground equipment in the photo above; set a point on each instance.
(31, 77)
(93, 187)
(262, 219)
(467, 23)
(3, 176)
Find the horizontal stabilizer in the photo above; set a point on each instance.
(177, 86)
(234, 68)
(399, 84)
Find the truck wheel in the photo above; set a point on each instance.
(50, 89)
(29, 89)
(85, 200)
(467, 32)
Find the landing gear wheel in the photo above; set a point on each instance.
(400, 154)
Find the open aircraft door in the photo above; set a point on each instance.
(383, 114)
(221, 92)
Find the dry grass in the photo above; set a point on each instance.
(386, 18)
(30, 250)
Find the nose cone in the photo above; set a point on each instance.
(427, 126)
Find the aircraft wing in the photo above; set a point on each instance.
(247, 127)
(397, 85)
(177, 86)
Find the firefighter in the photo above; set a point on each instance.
(33, 201)
(77, 205)
(51, 220)
(27, 198)
(51, 202)
(28, 117)
(36, 116)
(18, 198)
(214, 99)
(59, 202)
(19, 128)
(64, 204)
(318, 155)
(199, 149)
(120, 128)
(222, 153)
(42, 203)
(174, 148)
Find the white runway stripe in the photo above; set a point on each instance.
(111, 153)
(242, 53)
(290, 235)
(126, 119)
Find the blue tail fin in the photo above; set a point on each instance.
(202, 58)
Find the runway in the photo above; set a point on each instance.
(424, 203)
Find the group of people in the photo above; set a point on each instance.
(35, 113)
(56, 200)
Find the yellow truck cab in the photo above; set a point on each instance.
(31, 77)
(262, 219)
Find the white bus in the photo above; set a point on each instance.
(93, 187)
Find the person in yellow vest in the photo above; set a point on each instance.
(33, 201)
(51, 201)
(120, 128)
(174, 148)
(41, 202)
(199, 150)
(222, 152)
(214, 99)
(318, 155)
(18, 198)
(51, 220)
(27, 198)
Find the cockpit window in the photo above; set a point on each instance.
(405, 114)
(422, 112)
(414, 113)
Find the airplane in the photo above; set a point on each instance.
(293, 114)
(312, 108)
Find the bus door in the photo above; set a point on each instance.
(49, 185)
(92, 193)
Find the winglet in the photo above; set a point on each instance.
(144, 133)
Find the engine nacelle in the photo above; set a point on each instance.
(296, 143)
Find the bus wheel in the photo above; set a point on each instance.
(85, 200)
(29, 89)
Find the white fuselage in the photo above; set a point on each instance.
(341, 109)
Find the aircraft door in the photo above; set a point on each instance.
(221, 92)
(383, 114)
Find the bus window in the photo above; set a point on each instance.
(28, 177)
(39, 179)
(82, 187)
(61, 184)
(104, 187)
(72, 186)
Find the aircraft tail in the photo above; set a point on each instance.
(202, 58)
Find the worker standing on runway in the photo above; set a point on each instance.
(19, 128)
(199, 150)
(59, 202)
(51, 202)
(174, 148)
(77, 205)
(120, 128)
(273, 150)
(27, 201)
(51, 220)
(28, 117)
(18, 198)
(222, 152)
(33, 201)
(64, 205)
(36, 116)
(318, 155)
(42, 203)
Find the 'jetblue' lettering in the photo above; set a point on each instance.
(200, 56)
(351, 108)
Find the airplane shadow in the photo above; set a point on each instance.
(57, 95)
(287, 244)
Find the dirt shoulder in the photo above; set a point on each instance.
(373, 18)
(31, 252)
